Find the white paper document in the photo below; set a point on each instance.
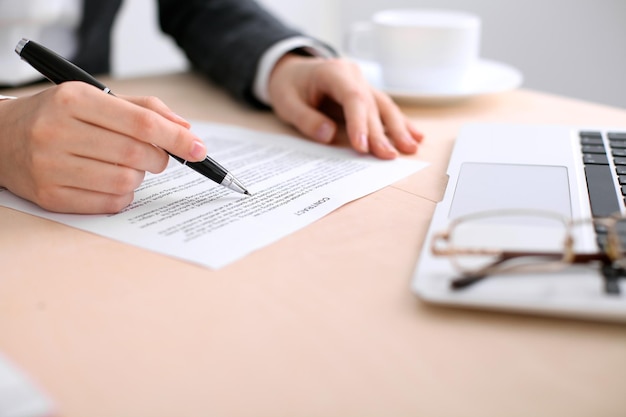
(182, 214)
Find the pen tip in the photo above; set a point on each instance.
(246, 192)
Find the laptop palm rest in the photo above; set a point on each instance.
(488, 186)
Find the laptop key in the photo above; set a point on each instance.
(594, 149)
(602, 195)
(616, 136)
(617, 144)
(591, 141)
(590, 134)
(596, 159)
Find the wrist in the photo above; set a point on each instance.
(289, 58)
(287, 71)
(295, 45)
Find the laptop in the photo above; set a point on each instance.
(576, 173)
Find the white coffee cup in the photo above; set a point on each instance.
(419, 49)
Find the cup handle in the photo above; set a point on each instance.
(358, 42)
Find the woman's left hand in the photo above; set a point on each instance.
(315, 94)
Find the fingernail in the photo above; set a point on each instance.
(198, 150)
(362, 143)
(325, 133)
(390, 148)
(411, 143)
(415, 134)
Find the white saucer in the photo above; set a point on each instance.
(486, 77)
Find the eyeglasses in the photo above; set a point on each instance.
(484, 244)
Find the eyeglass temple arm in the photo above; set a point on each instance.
(474, 277)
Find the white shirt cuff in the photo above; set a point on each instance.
(6, 97)
(273, 54)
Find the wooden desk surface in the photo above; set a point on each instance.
(321, 323)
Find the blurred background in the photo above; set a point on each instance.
(571, 48)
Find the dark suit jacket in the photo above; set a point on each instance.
(223, 39)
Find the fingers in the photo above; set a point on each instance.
(306, 118)
(145, 124)
(374, 123)
(114, 148)
(71, 184)
(81, 201)
(158, 106)
(356, 109)
(76, 184)
(369, 114)
(397, 127)
(72, 148)
(91, 175)
(364, 125)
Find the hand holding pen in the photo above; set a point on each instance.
(72, 148)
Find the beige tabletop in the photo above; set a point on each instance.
(320, 323)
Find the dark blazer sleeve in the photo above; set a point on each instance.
(223, 39)
(94, 35)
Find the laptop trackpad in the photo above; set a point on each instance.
(483, 187)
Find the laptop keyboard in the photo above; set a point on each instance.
(604, 198)
(602, 193)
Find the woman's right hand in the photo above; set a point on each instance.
(74, 149)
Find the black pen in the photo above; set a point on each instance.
(59, 70)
